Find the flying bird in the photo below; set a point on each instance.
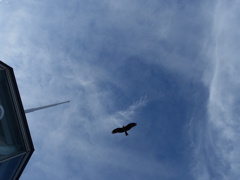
(124, 129)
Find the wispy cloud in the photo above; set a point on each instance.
(123, 117)
(75, 50)
(218, 148)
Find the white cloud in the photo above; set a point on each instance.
(127, 115)
(222, 129)
(64, 50)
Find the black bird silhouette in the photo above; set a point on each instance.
(124, 129)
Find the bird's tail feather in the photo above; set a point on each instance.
(126, 133)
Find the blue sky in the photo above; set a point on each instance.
(171, 67)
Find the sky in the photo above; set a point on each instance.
(170, 66)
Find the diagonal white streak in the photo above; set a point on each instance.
(43, 107)
(127, 115)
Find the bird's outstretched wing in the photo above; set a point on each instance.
(118, 130)
(129, 126)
